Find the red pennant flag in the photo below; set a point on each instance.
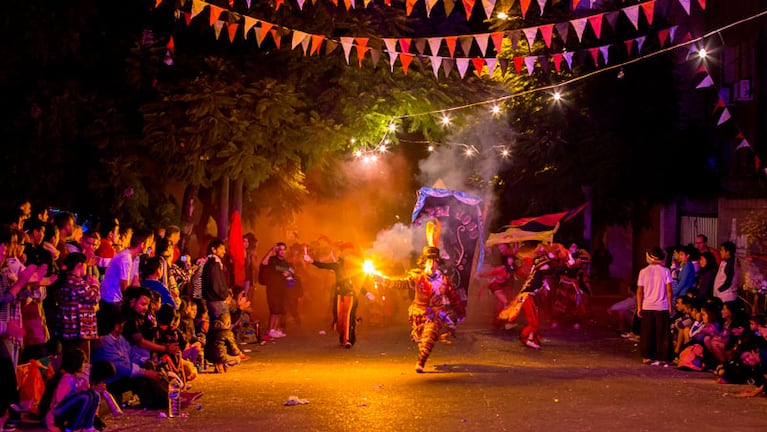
(406, 59)
(629, 45)
(575, 4)
(719, 104)
(663, 37)
(171, 46)
(404, 44)
(518, 62)
(740, 135)
(409, 6)
(479, 64)
(450, 41)
(648, 9)
(237, 248)
(215, 12)
(595, 55)
(277, 38)
(187, 18)
(362, 48)
(387, 2)
(157, 4)
(757, 162)
(524, 4)
(596, 24)
(468, 5)
(497, 38)
(232, 29)
(557, 58)
(546, 32)
(702, 4)
(277, 4)
(335, 2)
(231, 4)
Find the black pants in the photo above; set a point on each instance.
(655, 335)
(9, 393)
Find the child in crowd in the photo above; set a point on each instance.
(168, 333)
(624, 312)
(680, 324)
(195, 345)
(70, 401)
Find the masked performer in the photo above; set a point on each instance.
(573, 289)
(435, 298)
(529, 299)
(345, 303)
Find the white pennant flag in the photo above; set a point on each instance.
(640, 41)
(569, 59)
(463, 66)
(436, 62)
(685, 5)
(346, 44)
(725, 116)
(604, 50)
(482, 40)
(298, 39)
(300, 4)
(541, 4)
(579, 25)
(489, 5)
(391, 45)
(491, 62)
(707, 82)
(434, 44)
(530, 34)
(632, 13)
(743, 144)
(530, 63)
(247, 2)
(305, 43)
(392, 59)
(217, 26)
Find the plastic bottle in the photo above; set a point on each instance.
(258, 332)
(174, 398)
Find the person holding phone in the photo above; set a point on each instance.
(276, 273)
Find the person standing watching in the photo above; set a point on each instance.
(276, 274)
(701, 243)
(654, 309)
(726, 280)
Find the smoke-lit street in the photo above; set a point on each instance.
(486, 380)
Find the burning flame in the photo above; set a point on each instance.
(369, 268)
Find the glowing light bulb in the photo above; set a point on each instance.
(495, 110)
(431, 148)
(468, 152)
(353, 140)
(382, 148)
(502, 15)
(392, 127)
(387, 142)
(445, 120)
(505, 153)
(557, 96)
(358, 153)
(373, 158)
(702, 53)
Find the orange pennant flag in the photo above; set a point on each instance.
(497, 39)
(524, 4)
(316, 43)
(648, 9)
(479, 64)
(406, 59)
(232, 28)
(171, 46)
(215, 12)
(468, 6)
(575, 4)
(157, 4)
(409, 9)
(362, 48)
(450, 41)
(231, 4)
(277, 4)
(277, 38)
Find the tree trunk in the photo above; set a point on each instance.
(223, 210)
(237, 195)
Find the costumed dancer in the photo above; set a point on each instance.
(573, 288)
(345, 301)
(500, 284)
(529, 299)
(435, 298)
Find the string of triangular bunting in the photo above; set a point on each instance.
(312, 43)
(468, 5)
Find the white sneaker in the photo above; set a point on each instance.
(281, 333)
(275, 334)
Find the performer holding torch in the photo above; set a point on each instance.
(434, 296)
(345, 301)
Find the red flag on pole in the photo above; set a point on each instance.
(237, 248)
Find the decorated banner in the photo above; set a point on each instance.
(539, 228)
(460, 217)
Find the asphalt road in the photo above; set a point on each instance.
(484, 381)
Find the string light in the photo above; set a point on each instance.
(502, 15)
(445, 120)
(702, 53)
(430, 148)
(496, 110)
(392, 127)
(557, 96)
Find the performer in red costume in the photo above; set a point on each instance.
(435, 297)
(529, 299)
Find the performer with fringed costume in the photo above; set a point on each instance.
(528, 300)
(435, 297)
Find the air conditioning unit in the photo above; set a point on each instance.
(741, 90)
